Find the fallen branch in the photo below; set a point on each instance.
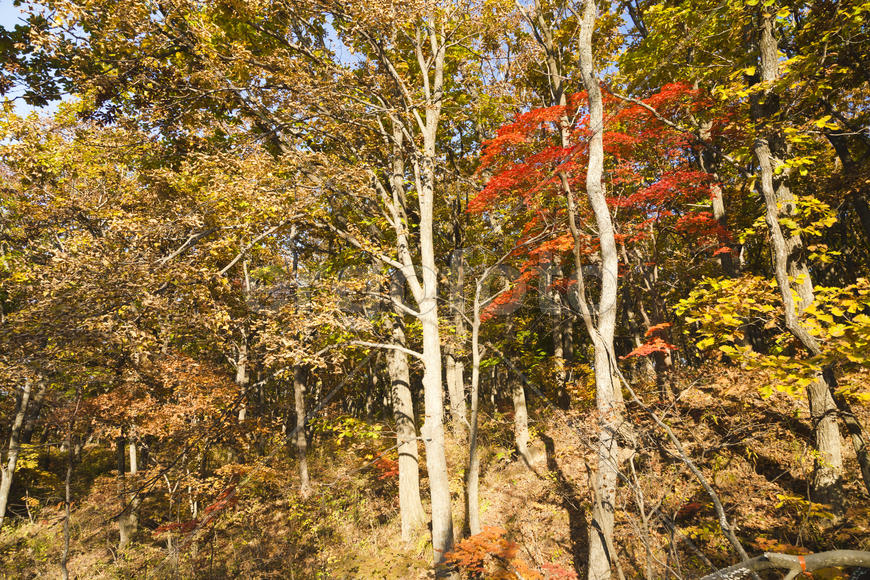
(795, 565)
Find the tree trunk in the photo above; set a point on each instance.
(638, 321)
(857, 199)
(127, 525)
(855, 431)
(472, 472)
(455, 391)
(709, 164)
(128, 519)
(862, 208)
(299, 439)
(432, 430)
(134, 460)
(459, 324)
(792, 273)
(567, 341)
(424, 285)
(373, 391)
(7, 471)
(242, 378)
(521, 419)
(455, 370)
(563, 339)
(796, 565)
(607, 390)
(410, 504)
(430, 46)
(559, 353)
(64, 557)
(33, 411)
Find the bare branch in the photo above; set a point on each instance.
(268, 232)
(407, 351)
(187, 244)
(795, 565)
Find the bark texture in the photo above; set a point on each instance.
(791, 270)
(472, 472)
(134, 459)
(7, 470)
(410, 504)
(607, 390)
(432, 430)
(455, 371)
(433, 425)
(521, 420)
(609, 400)
(242, 378)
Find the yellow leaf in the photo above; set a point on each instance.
(837, 330)
(820, 123)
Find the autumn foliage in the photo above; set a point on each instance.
(288, 287)
(653, 179)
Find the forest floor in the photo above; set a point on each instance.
(753, 451)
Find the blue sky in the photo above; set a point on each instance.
(10, 15)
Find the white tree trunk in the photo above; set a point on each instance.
(410, 505)
(422, 277)
(521, 419)
(134, 459)
(300, 440)
(242, 378)
(607, 390)
(563, 342)
(454, 375)
(472, 472)
(7, 471)
(432, 430)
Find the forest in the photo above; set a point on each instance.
(509, 289)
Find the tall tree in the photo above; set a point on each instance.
(607, 386)
(790, 267)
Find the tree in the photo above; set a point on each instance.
(254, 236)
(793, 277)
